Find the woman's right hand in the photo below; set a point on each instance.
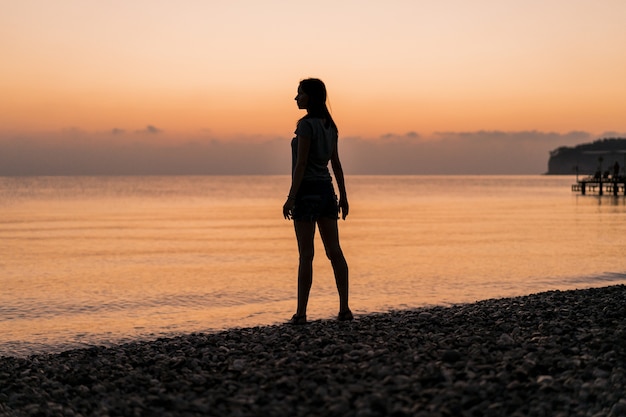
(288, 207)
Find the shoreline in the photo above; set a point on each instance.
(552, 353)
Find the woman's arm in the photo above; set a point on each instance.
(341, 185)
(304, 144)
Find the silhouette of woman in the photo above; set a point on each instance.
(312, 200)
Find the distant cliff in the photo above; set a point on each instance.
(586, 157)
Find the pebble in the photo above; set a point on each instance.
(557, 353)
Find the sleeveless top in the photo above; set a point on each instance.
(323, 143)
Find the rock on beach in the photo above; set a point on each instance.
(557, 353)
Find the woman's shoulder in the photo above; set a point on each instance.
(313, 121)
(309, 125)
(301, 123)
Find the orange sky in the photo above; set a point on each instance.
(231, 68)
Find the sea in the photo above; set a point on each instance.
(101, 261)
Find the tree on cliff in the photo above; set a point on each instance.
(585, 157)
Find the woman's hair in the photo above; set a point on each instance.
(316, 91)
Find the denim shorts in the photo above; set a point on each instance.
(315, 199)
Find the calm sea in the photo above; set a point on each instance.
(104, 260)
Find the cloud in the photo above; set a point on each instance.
(150, 129)
(103, 154)
(480, 152)
(113, 153)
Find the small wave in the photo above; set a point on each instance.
(44, 309)
(611, 277)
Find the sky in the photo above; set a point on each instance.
(207, 87)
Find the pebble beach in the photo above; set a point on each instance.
(557, 353)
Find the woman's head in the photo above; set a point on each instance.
(315, 94)
(312, 97)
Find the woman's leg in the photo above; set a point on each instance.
(305, 233)
(330, 236)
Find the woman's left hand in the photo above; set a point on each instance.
(344, 207)
(288, 208)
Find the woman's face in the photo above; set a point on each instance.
(302, 99)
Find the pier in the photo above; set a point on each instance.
(608, 181)
(613, 186)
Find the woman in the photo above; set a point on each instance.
(312, 200)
